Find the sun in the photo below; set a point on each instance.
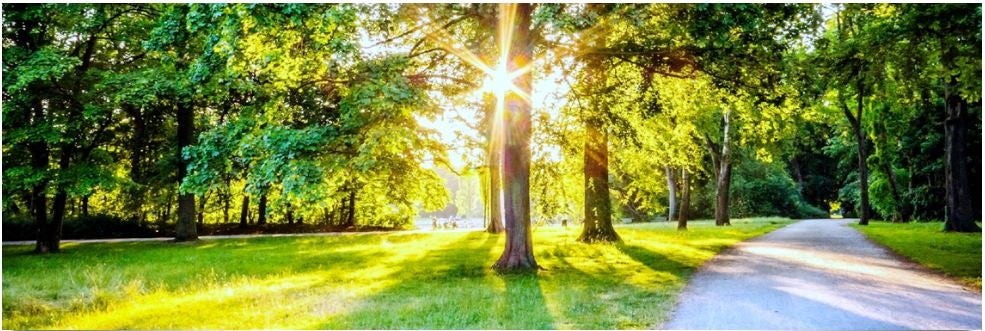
(498, 81)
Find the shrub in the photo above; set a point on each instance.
(84, 227)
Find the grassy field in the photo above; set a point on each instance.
(958, 255)
(438, 280)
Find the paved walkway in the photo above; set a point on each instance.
(821, 274)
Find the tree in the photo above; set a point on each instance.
(518, 253)
(951, 37)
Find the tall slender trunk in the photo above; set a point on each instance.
(244, 213)
(39, 163)
(724, 176)
(136, 194)
(226, 204)
(495, 207)
(685, 201)
(862, 153)
(262, 209)
(722, 195)
(899, 206)
(960, 215)
(85, 205)
(671, 193)
(185, 229)
(289, 214)
(518, 253)
(58, 204)
(350, 216)
(201, 209)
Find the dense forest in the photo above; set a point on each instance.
(171, 117)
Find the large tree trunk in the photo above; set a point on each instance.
(724, 175)
(185, 229)
(262, 210)
(518, 253)
(960, 215)
(685, 201)
(671, 193)
(244, 212)
(598, 204)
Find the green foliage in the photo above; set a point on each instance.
(767, 189)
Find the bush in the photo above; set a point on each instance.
(18, 228)
(764, 190)
(85, 227)
(104, 226)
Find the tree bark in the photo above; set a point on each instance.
(724, 176)
(518, 253)
(201, 209)
(137, 146)
(495, 224)
(185, 229)
(244, 213)
(861, 152)
(598, 204)
(85, 206)
(671, 193)
(39, 163)
(289, 214)
(262, 210)
(54, 232)
(960, 214)
(225, 207)
(350, 216)
(685, 201)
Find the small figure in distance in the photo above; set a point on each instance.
(434, 222)
(454, 222)
(564, 222)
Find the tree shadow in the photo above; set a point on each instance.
(449, 287)
(653, 260)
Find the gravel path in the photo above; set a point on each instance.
(821, 274)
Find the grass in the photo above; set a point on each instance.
(958, 255)
(439, 280)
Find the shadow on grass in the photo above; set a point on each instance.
(450, 287)
(653, 260)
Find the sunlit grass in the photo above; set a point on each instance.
(438, 280)
(958, 255)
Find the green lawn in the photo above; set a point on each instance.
(436, 280)
(958, 255)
